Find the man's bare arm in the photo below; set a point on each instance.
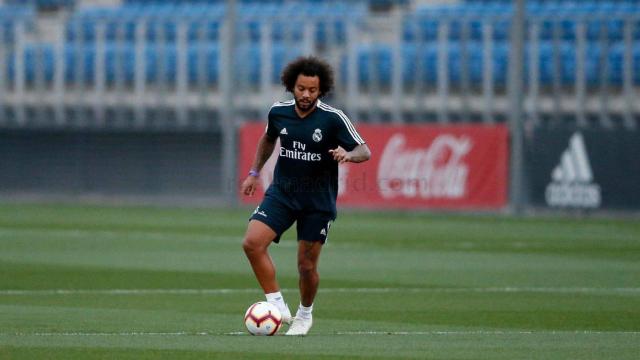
(359, 154)
(265, 149)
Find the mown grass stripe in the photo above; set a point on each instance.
(349, 333)
(568, 290)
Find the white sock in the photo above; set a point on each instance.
(304, 311)
(276, 299)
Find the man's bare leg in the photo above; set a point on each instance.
(308, 256)
(256, 243)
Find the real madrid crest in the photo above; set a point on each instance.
(317, 135)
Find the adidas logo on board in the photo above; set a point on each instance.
(572, 179)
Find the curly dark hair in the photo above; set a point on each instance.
(308, 66)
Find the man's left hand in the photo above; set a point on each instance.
(340, 155)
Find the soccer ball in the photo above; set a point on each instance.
(263, 318)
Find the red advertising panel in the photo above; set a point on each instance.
(413, 166)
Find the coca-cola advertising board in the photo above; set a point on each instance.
(412, 166)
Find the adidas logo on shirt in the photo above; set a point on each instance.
(572, 179)
(323, 232)
(284, 131)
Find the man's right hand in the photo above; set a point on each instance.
(249, 185)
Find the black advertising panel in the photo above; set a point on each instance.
(584, 169)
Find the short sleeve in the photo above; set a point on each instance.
(347, 135)
(271, 130)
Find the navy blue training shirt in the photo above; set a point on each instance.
(306, 176)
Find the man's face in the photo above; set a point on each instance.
(306, 92)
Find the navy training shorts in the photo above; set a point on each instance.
(311, 225)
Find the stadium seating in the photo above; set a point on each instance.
(556, 44)
(159, 62)
(42, 3)
(161, 21)
(10, 16)
(203, 21)
(557, 21)
(372, 3)
(420, 63)
(616, 62)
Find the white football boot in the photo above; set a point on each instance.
(300, 326)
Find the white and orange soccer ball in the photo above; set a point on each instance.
(263, 318)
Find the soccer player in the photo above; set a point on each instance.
(314, 139)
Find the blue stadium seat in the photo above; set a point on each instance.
(38, 61)
(160, 63)
(79, 61)
(10, 16)
(616, 64)
(209, 54)
(374, 60)
(119, 63)
(248, 62)
(416, 28)
(42, 3)
(205, 30)
(419, 63)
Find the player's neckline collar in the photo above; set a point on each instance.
(295, 111)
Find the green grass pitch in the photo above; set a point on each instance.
(96, 282)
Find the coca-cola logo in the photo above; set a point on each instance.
(437, 171)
